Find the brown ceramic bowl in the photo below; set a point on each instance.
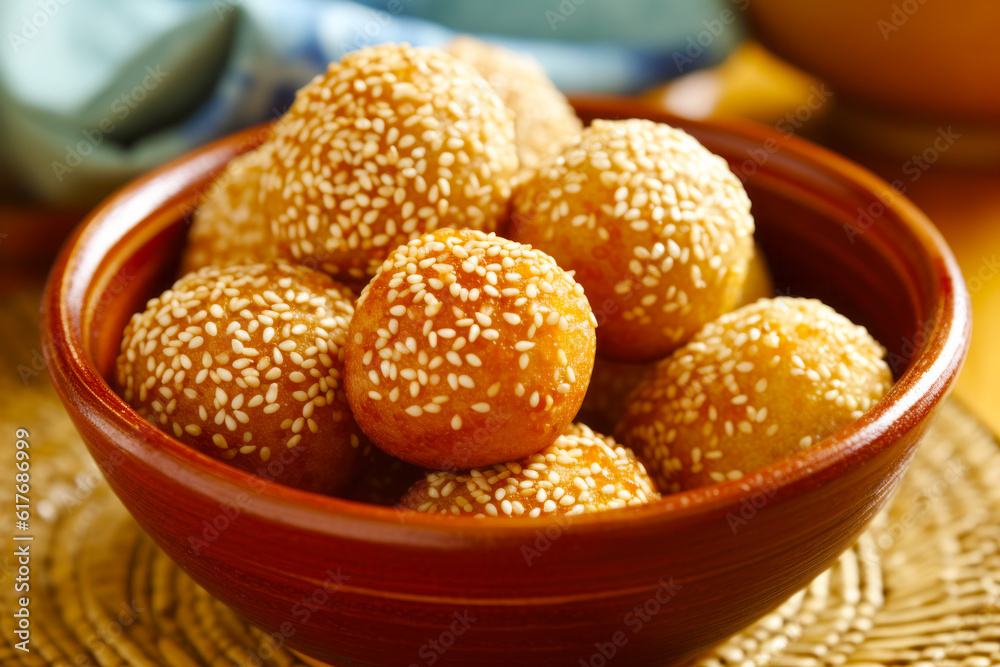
(347, 582)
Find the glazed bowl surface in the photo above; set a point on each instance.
(349, 583)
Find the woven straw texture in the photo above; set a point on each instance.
(921, 587)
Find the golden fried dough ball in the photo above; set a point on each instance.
(657, 229)
(391, 142)
(581, 471)
(610, 386)
(754, 387)
(245, 364)
(467, 349)
(544, 121)
(228, 226)
(758, 284)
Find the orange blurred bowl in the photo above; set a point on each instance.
(918, 57)
(345, 582)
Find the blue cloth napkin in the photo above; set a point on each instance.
(95, 92)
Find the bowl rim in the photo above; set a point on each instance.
(913, 397)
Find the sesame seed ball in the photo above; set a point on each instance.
(228, 225)
(657, 229)
(544, 121)
(467, 349)
(580, 472)
(757, 385)
(391, 142)
(245, 364)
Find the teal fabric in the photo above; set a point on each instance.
(95, 92)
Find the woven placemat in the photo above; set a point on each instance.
(921, 587)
